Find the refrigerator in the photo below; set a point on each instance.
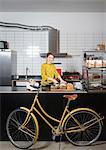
(8, 66)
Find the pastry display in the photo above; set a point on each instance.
(104, 63)
(90, 63)
(98, 63)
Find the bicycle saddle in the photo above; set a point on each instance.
(71, 97)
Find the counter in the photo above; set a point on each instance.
(16, 89)
(52, 102)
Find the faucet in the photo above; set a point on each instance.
(26, 76)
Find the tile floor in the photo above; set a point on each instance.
(49, 145)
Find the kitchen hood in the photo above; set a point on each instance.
(54, 44)
(56, 54)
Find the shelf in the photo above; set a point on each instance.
(22, 82)
(95, 75)
(95, 51)
(96, 68)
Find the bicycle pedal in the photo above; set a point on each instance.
(53, 137)
(56, 138)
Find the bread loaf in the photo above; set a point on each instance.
(70, 87)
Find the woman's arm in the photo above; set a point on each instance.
(59, 77)
(61, 80)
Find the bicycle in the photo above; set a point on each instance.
(81, 126)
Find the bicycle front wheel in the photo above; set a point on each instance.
(20, 136)
(89, 120)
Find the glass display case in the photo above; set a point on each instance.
(94, 70)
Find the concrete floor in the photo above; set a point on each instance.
(48, 145)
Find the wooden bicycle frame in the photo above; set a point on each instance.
(60, 122)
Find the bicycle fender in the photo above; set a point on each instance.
(79, 109)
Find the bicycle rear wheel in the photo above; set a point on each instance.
(86, 117)
(22, 137)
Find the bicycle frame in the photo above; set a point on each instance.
(57, 130)
(60, 122)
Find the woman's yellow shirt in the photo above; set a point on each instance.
(48, 70)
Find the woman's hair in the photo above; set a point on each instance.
(50, 54)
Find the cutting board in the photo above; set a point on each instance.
(61, 90)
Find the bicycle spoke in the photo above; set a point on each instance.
(88, 120)
(21, 136)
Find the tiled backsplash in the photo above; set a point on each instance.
(29, 44)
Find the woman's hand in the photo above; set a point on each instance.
(53, 80)
(62, 81)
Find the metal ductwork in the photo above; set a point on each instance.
(53, 37)
(54, 44)
(26, 27)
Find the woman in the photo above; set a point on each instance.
(49, 73)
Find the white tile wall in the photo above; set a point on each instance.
(28, 44)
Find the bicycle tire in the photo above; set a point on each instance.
(91, 134)
(22, 138)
